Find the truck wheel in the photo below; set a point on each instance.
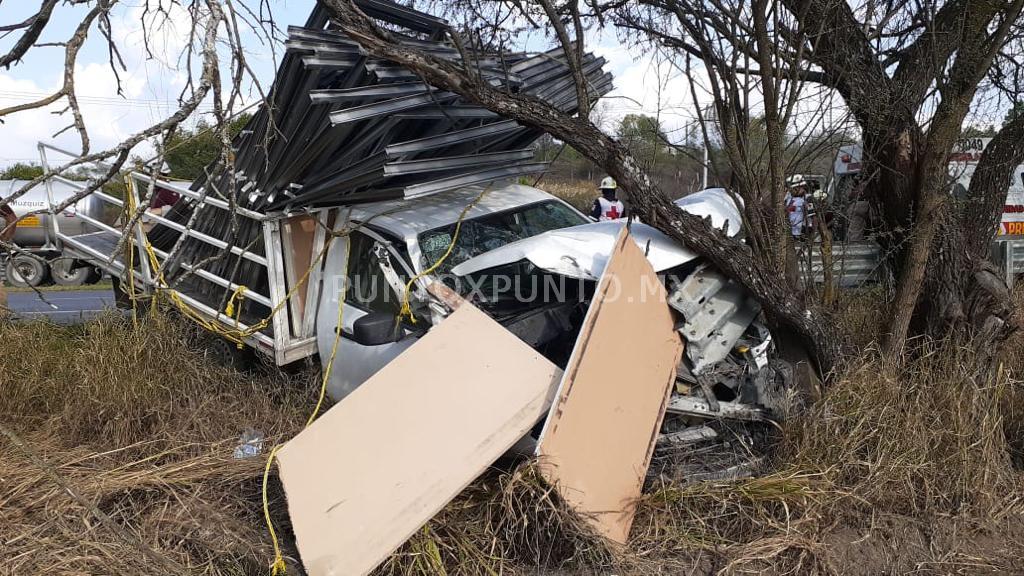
(95, 275)
(66, 274)
(229, 354)
(25, 271)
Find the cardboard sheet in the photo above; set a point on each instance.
(372, 470)
(302, 230)
(600, 433)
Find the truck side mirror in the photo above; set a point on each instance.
(376, 328)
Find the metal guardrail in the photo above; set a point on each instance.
(1011, 254)
(853, 263)
(857, 263)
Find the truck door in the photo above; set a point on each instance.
(370, 307)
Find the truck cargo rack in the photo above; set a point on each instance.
(290, 335)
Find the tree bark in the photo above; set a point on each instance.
(968, 293)
(989, 184)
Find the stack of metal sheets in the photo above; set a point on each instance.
(343, 127)
(346, 127)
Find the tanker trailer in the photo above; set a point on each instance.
(36, 233)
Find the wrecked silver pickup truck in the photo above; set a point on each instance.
(525, 257)
(531, 262)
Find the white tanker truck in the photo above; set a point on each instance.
(36, 234)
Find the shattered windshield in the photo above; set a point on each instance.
(492, 231)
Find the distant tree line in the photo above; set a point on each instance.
(22, 171)
(677, 166)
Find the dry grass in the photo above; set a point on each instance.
(862, 313)
(924, 451)
(140, 425)
(128, 467)
(580, 193)
(508, 520)
(112, 384)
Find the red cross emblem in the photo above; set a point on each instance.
(613, 212)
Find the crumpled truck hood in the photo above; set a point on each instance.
(582, 251)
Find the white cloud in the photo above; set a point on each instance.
(108, 118)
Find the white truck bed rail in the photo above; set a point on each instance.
(290, 333)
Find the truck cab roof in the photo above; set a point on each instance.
(407, 218)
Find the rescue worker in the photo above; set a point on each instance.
(162, 202)
(164, 197)
(8, 221)
(859, 212)
(796, 206)
(608, 206)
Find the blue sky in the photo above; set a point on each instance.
(151, 85)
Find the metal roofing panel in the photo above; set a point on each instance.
(374, 91)
(449, 162)
(389, 106)
(406, 218)
(451, 137)
(473, 178)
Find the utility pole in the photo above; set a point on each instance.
(704, 134)
(704, 171)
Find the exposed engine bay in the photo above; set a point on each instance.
(731, 387)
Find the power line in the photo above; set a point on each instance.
(24, 97)
(30, 94)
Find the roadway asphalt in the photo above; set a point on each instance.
(72, 306)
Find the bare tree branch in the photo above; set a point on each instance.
(34, 27)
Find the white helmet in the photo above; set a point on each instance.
(608, 183)
(163, 169)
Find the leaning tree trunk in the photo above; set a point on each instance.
(917, 253)
(940, 248)
(816, 331)
(949, 60)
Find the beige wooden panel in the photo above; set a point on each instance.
(373, 469)
(600, 433)
(303, 230)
